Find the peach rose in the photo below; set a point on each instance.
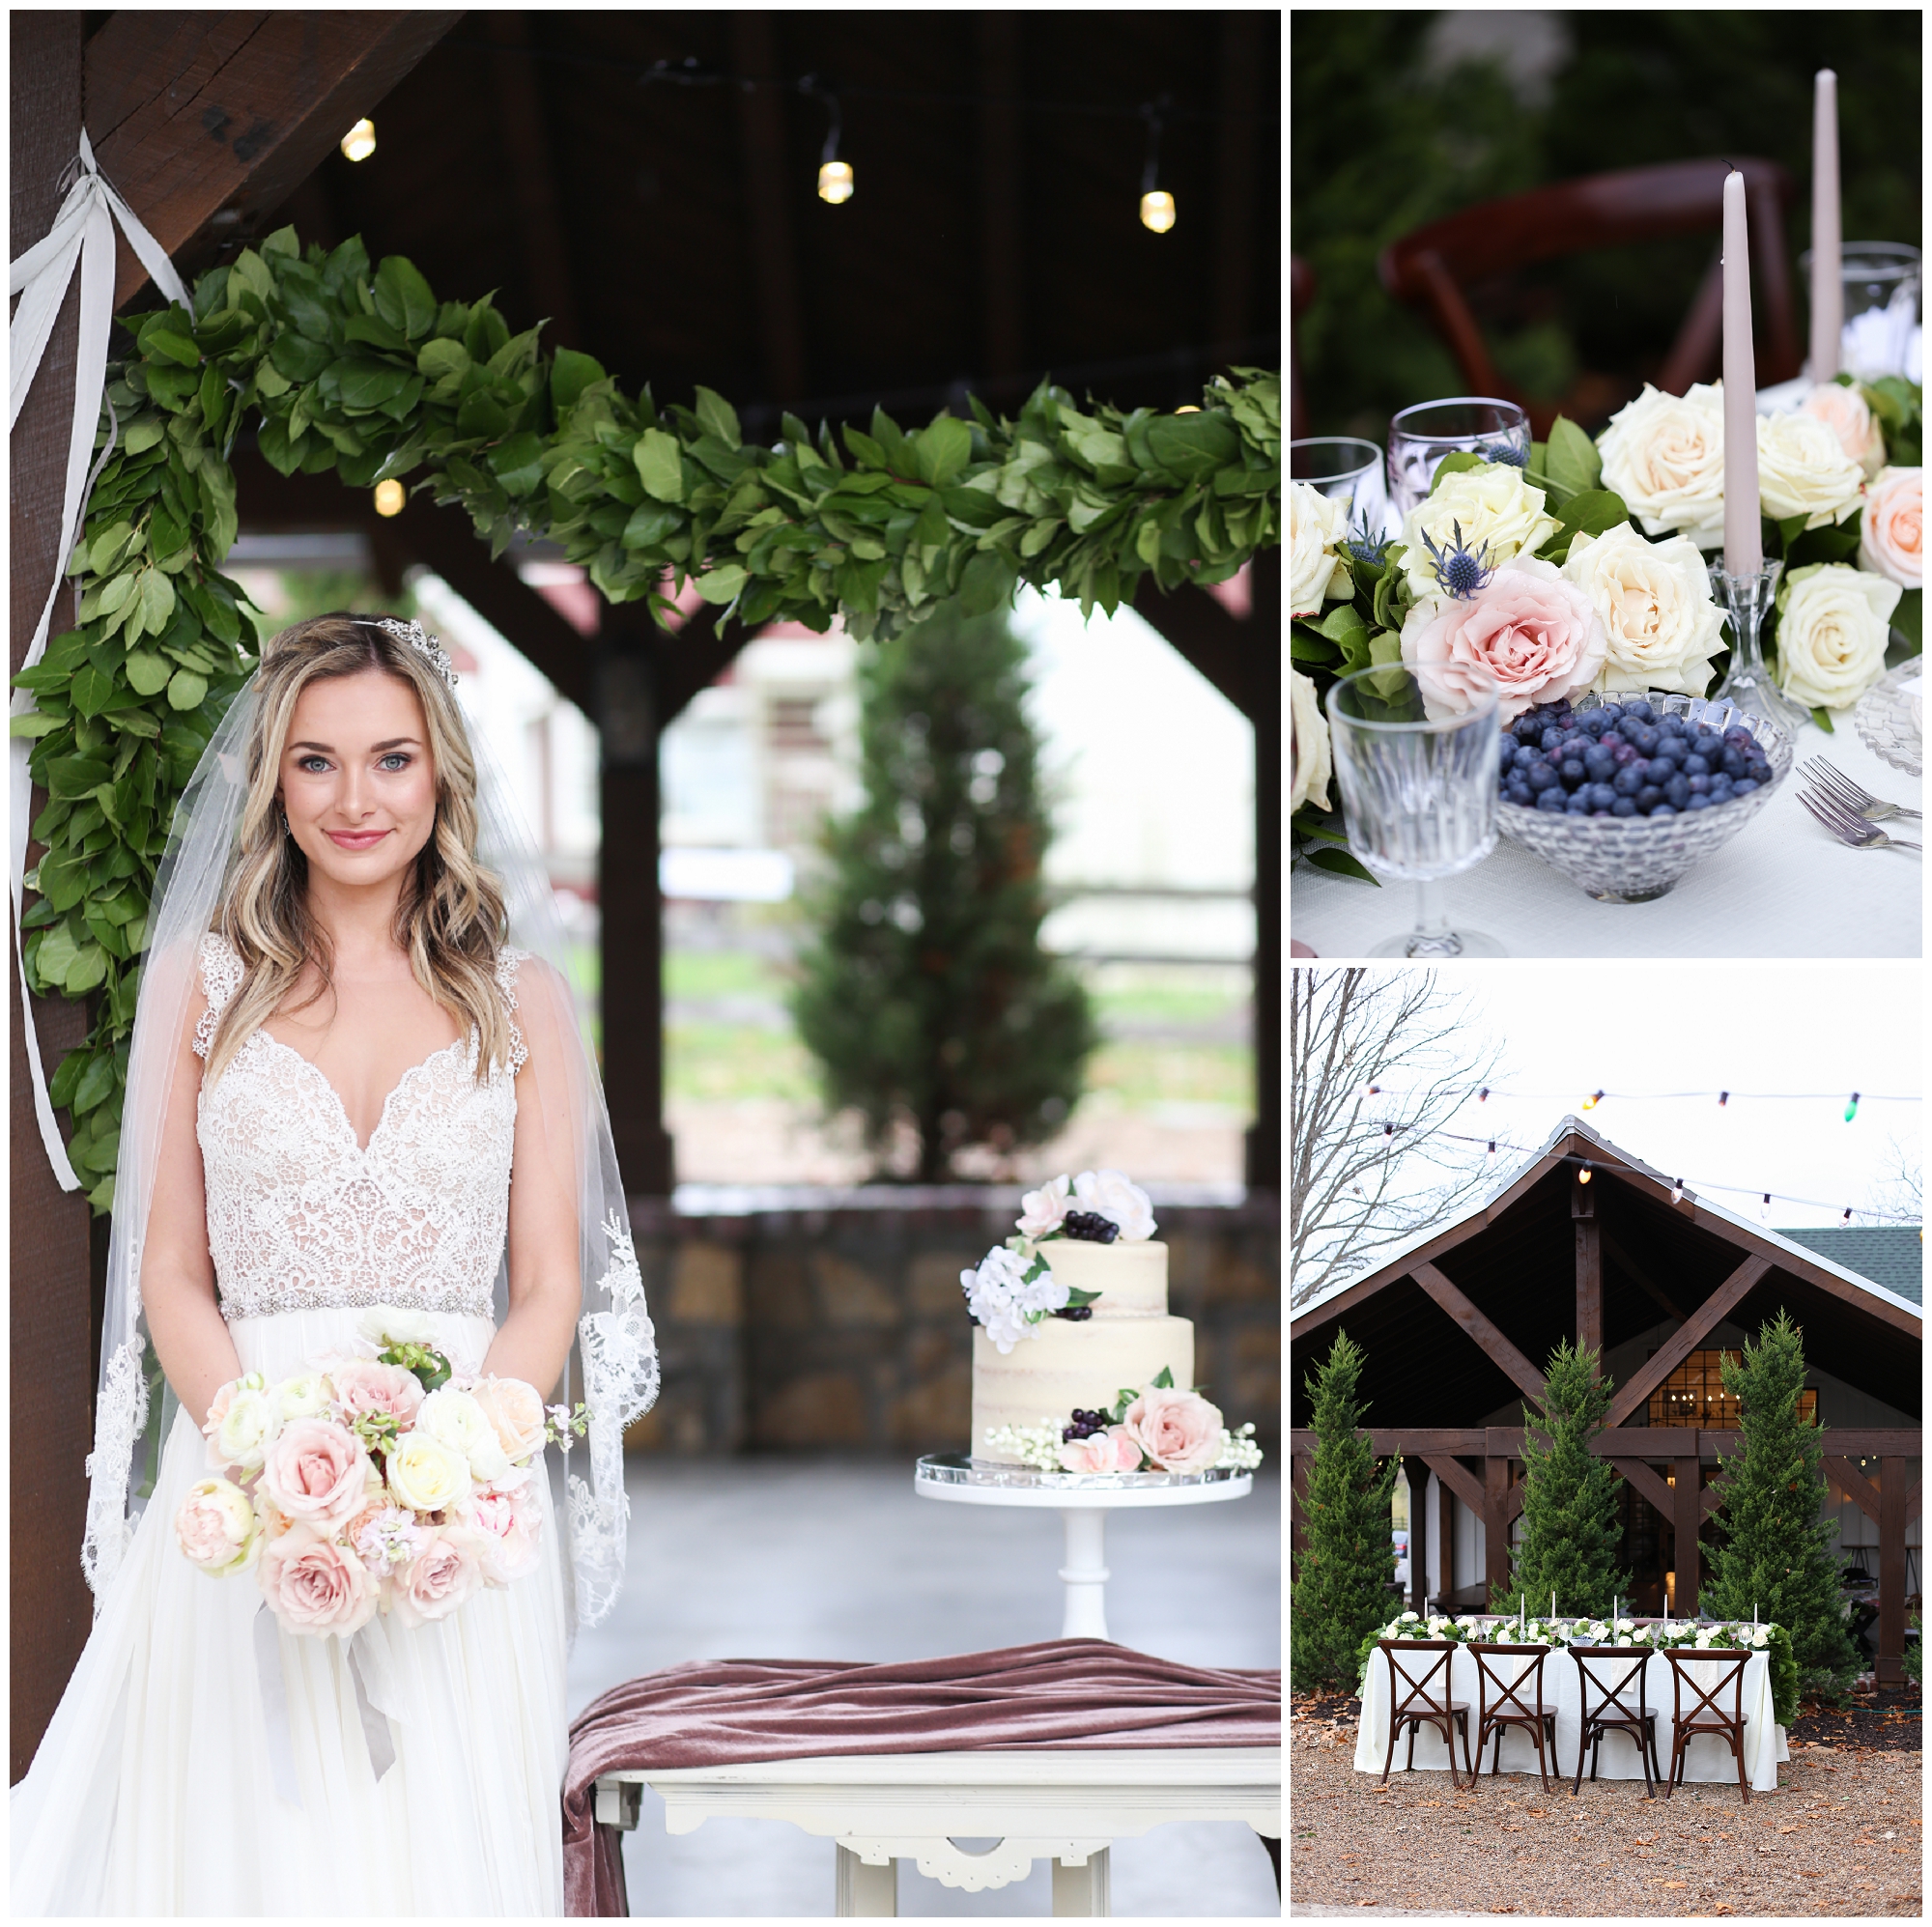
(216, 1527)
(317, 1473)
(312, 1585)
(1890, 531)
(516, 1413)
(365, 1385)
(1180, 1431)
(1111, 1451)
(440, 1578)
(508, 1526)
(1844, 411)
(1538, 636)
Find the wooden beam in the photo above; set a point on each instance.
(1679, 1345)
(1241, 66)
(1002, 239)
(1496, 1524)
(1802, 1265)
(1519, 1491)
(772, 279)
(1445, 1539)
(1714, 1494)
(1915, 1499)
(1262, 1146)
(1892, 1491)
(539, 207)
(1418, 1536)
(206, 121)
(1688, 1519)
(1480, 1327)
(1590, 1288)
(1855, 1486)
(1639, 1277)
(1647, 1442)
(1645, 1481)
(1457, 1477)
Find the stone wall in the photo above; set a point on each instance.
(844, 1327)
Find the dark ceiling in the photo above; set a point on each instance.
(670, 226)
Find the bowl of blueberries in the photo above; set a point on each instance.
(1626, 793)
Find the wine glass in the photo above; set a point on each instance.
(1418, 794)
(1420, 437)
(1344, 469)
(1881, 311)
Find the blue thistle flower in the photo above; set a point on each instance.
(1510, 457)
(1362, 544)
(1460, 572)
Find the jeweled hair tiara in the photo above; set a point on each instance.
(423, 644)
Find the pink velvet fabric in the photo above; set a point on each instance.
(1062, 1694)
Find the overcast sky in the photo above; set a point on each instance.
(1650, 1028)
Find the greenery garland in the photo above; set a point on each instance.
(363, 370)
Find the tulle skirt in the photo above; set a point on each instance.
(203, 1763)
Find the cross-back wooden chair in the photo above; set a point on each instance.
(1413, 1704)
(1614, 1674)
(1510, 1708)
(1706, 1715)
(1430, 267)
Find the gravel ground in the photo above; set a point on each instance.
(1842, 1836)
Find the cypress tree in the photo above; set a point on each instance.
(1777, 1546)
(1342, 1593)
(1570, 1527)
(927, 996)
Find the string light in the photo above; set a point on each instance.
(1677, 1190)
(1723, 1099)
(1492, 1150)
(390, 498)
(1852, 1109)
(1482, 1095)
(1591, 1102)
(1764, 1209)
(1847, 1219)
(835, 176)
(1583, 1175)
(1156, 203)
(359, 142)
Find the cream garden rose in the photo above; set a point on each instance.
(1891, 530)
(1313, 757)
(1803, 470)
(1655, 600)
(1495, 510)
(426, 1475)
(1846, 414)
(516, 1411)
(1664, 455)
(1113, 1194)
(454, 1419)
(246, 1429)
(1832, 629)
(1315, 524)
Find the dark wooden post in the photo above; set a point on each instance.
(1417, 1475)
(1589, 1269)
(1689, 1517)
(1263, 1139)
(1445, 1536)
(1495, 1517)
(1297, 1511)
(49, 1322)
(1891, 1509)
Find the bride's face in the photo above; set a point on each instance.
(356, 778)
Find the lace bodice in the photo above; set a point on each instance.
(300, 1217)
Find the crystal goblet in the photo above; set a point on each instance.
(1880, 289)
(1420, 437)
(1344, 469)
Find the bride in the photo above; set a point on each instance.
(347, 1089)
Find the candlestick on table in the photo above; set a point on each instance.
(1828, 288)
(1743, 548)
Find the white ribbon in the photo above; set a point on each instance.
(83, 234)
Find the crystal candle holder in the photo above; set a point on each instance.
(1748, 683)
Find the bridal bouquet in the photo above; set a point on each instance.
(373, 1485)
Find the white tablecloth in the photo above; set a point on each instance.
(1709, 1757)
(1782, 888)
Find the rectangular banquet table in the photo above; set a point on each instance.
(1709, 1757)
(1782, 888)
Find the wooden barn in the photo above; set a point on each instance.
(1663, 1282)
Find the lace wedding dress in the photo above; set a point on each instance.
(201, 1760)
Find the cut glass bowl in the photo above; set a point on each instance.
(1633, 859)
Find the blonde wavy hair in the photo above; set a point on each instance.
(450, 917)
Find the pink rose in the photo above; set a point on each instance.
(1180, 1431)
(1538, 636)
(1111, 1451)
(317, 1473)
(1845, 412)
(508, 1526)
(516, 1414)
(440, 1578)
(315, 1586)
(1890, 535)
(367, 1386)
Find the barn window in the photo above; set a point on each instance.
(1695, 1395)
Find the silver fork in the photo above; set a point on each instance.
(1837, 783)
(1849, 828)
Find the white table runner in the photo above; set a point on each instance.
(1709, 1756)
(1782, 888)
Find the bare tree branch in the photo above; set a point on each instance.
(1899, 1190)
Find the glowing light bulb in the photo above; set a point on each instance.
(1852, 1109)
(1583, 1175)
(1677, 1190)
(835, 180)
(1764, 1209)
(359, 142)
(390, 498)
(1157, 210)
(1591, 1102)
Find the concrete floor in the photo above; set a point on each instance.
(795, 1558)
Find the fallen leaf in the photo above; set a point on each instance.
(1679, 1884)
(1810, 1873)
(1537, 1811)
(1788, 1830)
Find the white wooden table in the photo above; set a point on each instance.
(1082, 1503)
(1068, 1807)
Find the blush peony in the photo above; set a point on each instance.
(1042, 1210)
(1111, 1451)
(316, 1473)
(1845, 412)
(216, 1527)
(1537, 636)
(508, 1525)
(1180, 1431)
(1891, 530)
(248, 1422)
(315, 1586)
(439, 1578)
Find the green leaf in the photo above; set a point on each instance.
(442, 358)
(1572, 461)
(95, 1085)
(1194, 445)
(660, 466)
(518, 464)
(1164, 1379)
(1341, 863)
(157, 338)
(90, 692)
(1340, 620)
(944, 447)
(1454, 464)
(721, 584)
(717, 416)
(403, 297)
(1823, 719)
(987, 584)
(157, 600)
(186, 689)
(147, 672)
(367, 384)
(35, 723)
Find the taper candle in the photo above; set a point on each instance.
(1744, 548)
(1828, 288)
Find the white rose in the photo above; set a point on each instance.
(1655, 600)
(1845, 412)
(1042, 1210)
(1316, 522)
(1832, 629)
(246, 1430)
(1890, 532)
(454, 1419)
(1803, 470)
(1495, 510)
(383, 1325)
(1664, 455)
(426, 1475)
(1113, 1196)
(1308, 728)
(303, 1396)
(1761, 1637)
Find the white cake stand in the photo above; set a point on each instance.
(1083, 1500)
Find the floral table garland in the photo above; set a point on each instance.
(1598, 547)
